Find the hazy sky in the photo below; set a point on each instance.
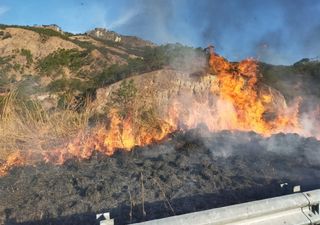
(276, 31)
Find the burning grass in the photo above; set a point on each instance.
(191, 171)
(238, 101)
(26, 128)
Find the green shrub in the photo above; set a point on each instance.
(27, 53)
(64, 101)
(16, 67)
(304, 73)
(123, 98)
(175, 55)
(71, 85)
(5, 60)
(155, 58)
(57, 85)
(5, 65)
(4, 80)
(85, 44)
(306, 66)
(110, 75)
(71, 58)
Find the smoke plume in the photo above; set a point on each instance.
(278, 32)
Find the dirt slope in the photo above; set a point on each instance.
(27, 39)
(159, 89)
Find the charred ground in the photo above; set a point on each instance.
(191, 171)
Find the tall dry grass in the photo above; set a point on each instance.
(26, 126)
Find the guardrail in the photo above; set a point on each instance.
(294, 209)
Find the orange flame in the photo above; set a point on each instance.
(239, 86)
(14, 159)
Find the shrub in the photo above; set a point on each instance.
(4, 60)
(70, 85)
(27, 53)
(123, 98)
(4, 80)
(110, 75)
(17, 67)
(57, 85)
(71, 58)
(155, 58)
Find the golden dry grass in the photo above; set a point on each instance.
(25, 126)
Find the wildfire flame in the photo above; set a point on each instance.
(242, 103)
(239, 86)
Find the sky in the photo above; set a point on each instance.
(274, 31)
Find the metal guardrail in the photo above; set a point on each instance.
(105, 219)
(294, 209)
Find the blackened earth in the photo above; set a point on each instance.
(189, 172)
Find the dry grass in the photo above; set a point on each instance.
(25, 126)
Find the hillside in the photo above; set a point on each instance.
(49, 62)
(56, 86)
(46, 55)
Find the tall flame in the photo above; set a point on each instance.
(239, 87)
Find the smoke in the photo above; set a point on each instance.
(129, 15)
(153, 21)
(300, 154)
(278, 32)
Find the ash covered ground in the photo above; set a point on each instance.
(191, 171)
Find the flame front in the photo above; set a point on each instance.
(240, 102)
(248, 107)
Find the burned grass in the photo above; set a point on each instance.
(189, 172)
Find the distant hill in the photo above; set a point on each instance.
(46, 61)
(111, 36)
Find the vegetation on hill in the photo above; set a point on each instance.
(146, 59)
(302, 78)
(170, 55)
(42, 31)
(123, 98)
(54, 62)
(27, 53)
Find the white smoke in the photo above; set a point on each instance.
(123, 19)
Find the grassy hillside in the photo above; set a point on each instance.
(93, 64)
